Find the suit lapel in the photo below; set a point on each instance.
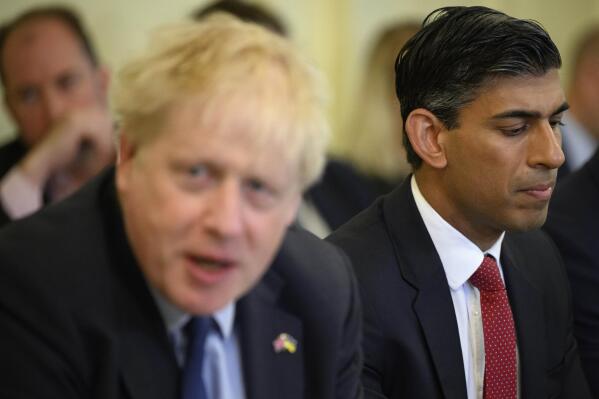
(421, 267)
(527, 307)
(148, 366)
(268, 374)
(146, 359)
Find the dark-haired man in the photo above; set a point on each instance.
(55, 92)
(463, 297)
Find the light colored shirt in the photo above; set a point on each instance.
(578, 144)
(461, 258)
(310, 219)
(222, 369)
(19, 197)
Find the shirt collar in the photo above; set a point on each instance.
(460, 256)
(175, 318)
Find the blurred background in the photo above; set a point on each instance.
(336, 34)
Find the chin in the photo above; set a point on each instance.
(528, 223)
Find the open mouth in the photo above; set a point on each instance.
(208, 270)
(209, 263)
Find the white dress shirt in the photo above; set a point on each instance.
(460, 258)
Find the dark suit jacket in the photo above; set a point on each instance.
(10, 154)
(342, 192)
(573, 223)
(411, 342)
(77, 319)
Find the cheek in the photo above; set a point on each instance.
(31, 122)
(265, 236)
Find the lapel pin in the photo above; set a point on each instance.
(284, 343)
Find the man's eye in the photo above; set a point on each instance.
(256, 185)
(260, 194)
(28, 95)
(67, 81)
(555, 124)
(515, 131)
(197, 171)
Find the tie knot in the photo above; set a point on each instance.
(486, 277)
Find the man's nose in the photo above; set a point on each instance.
(225, 213)
(545, 147)
(54, 104)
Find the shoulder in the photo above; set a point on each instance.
(61, 246)
(10, 154)
(580, 188)
(305, 257)
(538, 258)
(573, 210)
(359, 233)
(315, 275)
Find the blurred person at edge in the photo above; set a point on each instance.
(580, 133)
(56, 93)
(573, 216)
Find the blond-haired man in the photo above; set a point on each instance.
(222, 130)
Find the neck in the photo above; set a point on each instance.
(440, 199)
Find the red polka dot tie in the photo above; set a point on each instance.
(499, 332)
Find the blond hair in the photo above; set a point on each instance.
(375, 130)
(237, 69)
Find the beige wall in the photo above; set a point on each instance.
(335, 33)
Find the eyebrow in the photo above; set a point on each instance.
(529, 114)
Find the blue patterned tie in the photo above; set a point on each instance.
(192, 384)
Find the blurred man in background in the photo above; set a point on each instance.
(580, 130)
(56, 93)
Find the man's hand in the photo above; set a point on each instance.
(76, 148)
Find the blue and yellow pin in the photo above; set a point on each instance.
(284, 343)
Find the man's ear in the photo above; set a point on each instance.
(124, 162)
(126, 149)
(423, 130)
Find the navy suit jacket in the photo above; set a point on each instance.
(573, 223)
(342, 192)
(411, 342)
(77, 319)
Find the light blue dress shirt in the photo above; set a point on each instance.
(222, 370)
(579, 145)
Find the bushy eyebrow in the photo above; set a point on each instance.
(518, 113)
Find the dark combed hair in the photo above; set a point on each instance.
(457, 51)
(63, 14)
(246, 12)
